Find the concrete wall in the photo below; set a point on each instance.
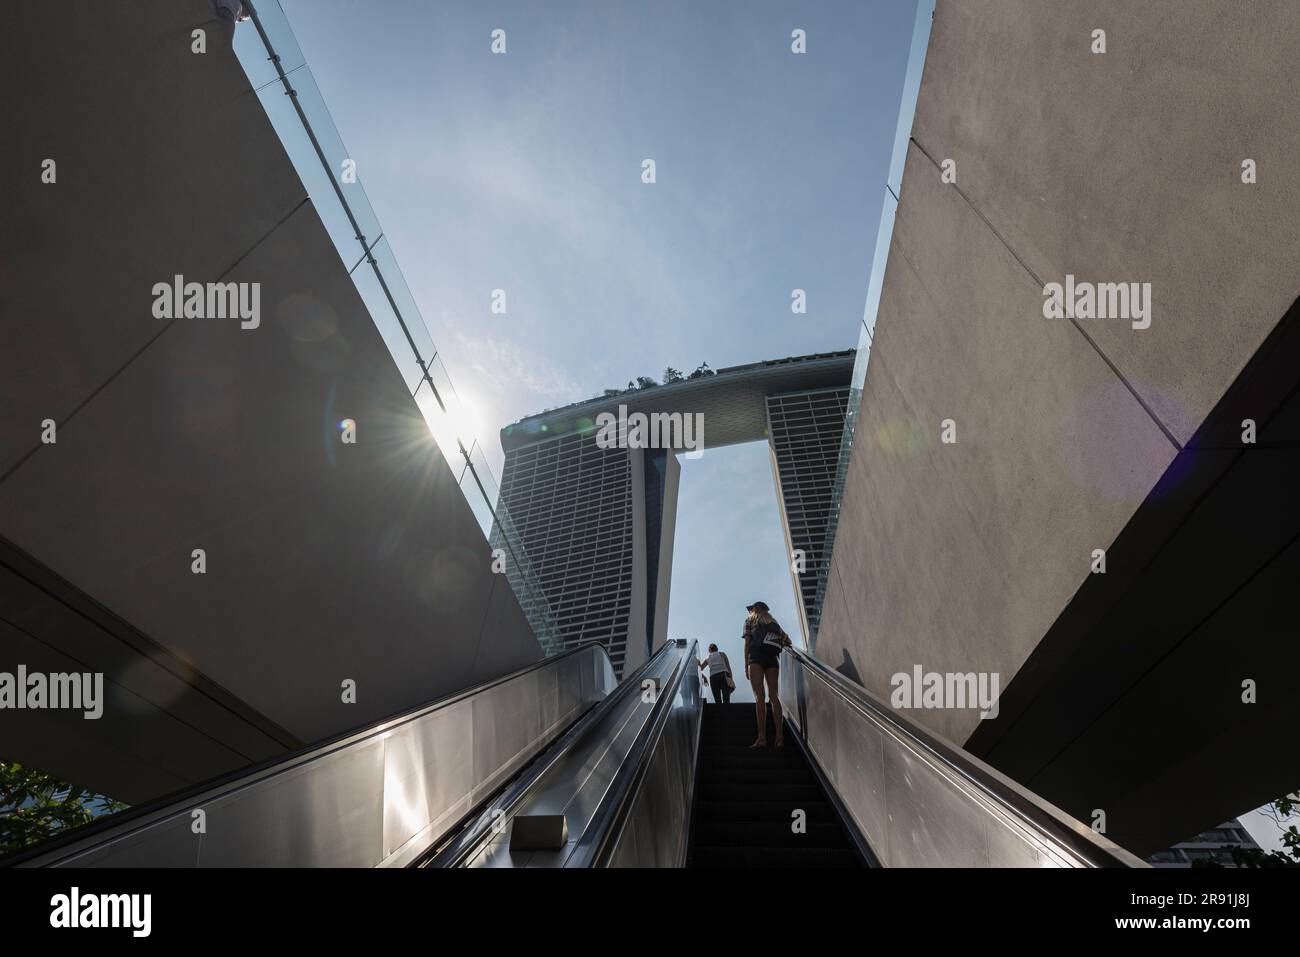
(1122, 166)
(324, 562)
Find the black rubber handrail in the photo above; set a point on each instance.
(596, 846)
(463, 840)
(1072, 836)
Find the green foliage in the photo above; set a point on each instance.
(670, 375)
(35, 806)
(1279, 810)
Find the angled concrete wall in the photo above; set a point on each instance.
(325, 561)
(1071, 436)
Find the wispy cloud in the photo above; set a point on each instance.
(500, 364)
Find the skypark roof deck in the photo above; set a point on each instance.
(732, 400)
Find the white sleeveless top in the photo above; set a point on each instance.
(716, 665)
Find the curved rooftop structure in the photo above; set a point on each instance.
(598, 523)
(733, 400)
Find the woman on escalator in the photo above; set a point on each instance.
(764, 639)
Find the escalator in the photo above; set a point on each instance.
(559, 765)
(761, 807)
(661, 779)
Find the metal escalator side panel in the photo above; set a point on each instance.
(917, 800)
(377, 797)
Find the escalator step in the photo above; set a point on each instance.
(778, 833)
(730, 761)
(741, 742)
(793, 793)
(752, 858)
(745, 798)
(762, 777)
(819, 812)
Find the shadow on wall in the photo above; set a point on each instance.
(848, 669)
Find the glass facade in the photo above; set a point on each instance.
(889, 209)
(287, 90)
(805, 430)
(573, 504)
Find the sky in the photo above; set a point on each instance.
(523, 172)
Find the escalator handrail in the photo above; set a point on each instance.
(596, 846)
(1036, 814)
(127, 822)
(463, 841)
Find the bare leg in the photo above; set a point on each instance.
(756, 682)
(771, 675)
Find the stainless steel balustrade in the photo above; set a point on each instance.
(918, 800)
(649, 813)
(622, 774)
(378, 797)
(565, 779)
(598, 776)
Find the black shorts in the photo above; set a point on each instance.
(766, 661)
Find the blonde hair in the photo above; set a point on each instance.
(761, 617)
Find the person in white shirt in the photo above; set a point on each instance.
(720, 680)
